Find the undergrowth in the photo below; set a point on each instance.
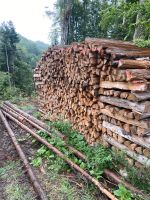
(98, 159)
(14, 188)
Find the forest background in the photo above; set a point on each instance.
(73, 20)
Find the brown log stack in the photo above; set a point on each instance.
(99, 81)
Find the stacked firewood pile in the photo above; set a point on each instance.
(102, 87)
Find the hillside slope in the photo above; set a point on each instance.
(31, 51)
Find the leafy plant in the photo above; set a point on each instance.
(98, 157)
(123, 193)
(143, 43)
(36, 162)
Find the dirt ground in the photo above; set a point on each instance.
(15, 184)
(13, 179)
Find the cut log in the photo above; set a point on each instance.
(134, 64)
(141, 96)
(137, 74)
(61, 155)
(21, 118)
(138, 86)
(31, 118)
(111, 175)
(123, 103)
(121, 132)
(141, 124)
(141, 159)
(22, 156)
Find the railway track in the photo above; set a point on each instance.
(24, 120)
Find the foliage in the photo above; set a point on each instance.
(138, 177)
(5, 91)
(123, 193)
(8, 40)
(23, 77)
(3, 82)
(76, 20)
(18, 56)
(37, 114)
(143, 43)
(71, 194)
(118, 19)
(98, 157)
(11, 93)
(37, 161)
(14, 188)
(29, 51)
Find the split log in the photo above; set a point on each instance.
(123, 133)
(141, 124)
(141, 96)
(122, 103)
(132, 96)
(61, 155)
(138, 86)
(30, 172)
(137, 74)
(130, 75)
(134, 64)
(141, 159)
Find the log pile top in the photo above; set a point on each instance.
(103, 88)
(119, 47)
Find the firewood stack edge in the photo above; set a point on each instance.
(103, 88)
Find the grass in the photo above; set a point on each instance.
(65, 186)
(102, 158)
(11, 174)
(37, 114)
(99, 158)
(27, 107)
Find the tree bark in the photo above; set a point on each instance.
(141, 159)
(61, 155)
(8, 67)
(123, 103)
(125, 85)
(123, 133)
(138, 33)
(31, 174)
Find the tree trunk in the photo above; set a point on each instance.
(138, 33)
(8, 68)
(22, 156)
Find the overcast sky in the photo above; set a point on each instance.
(28, 17)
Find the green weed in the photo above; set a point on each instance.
(123, 194)
(27, 107)
(15, 191)
(11, 173)
(37, 114)
(98, 157)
